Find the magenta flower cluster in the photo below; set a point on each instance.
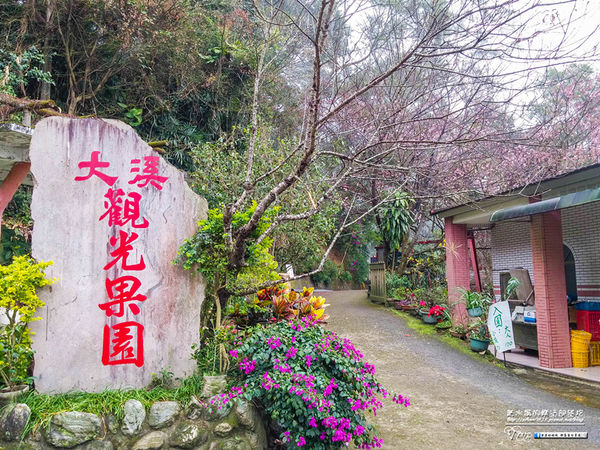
(225, 398)
(288, 368)
(274, 343)
(247, 366)
(401, 400)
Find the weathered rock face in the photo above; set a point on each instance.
(134, 415)
(13, 421)
(188, 435)
(163, 414)
(71, 428)
(151, 441)
(213, 385)
(111, 214)
(97, 445)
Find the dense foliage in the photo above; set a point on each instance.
(19, 300)
(206, 252)
(16, 226)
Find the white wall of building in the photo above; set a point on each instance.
(511, 248)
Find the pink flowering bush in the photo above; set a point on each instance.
(314, 385)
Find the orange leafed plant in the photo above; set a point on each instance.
(289, 304)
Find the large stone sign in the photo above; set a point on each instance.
(111, 214)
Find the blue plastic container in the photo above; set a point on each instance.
(587, 306)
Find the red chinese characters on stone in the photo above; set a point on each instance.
(149, 173)
(123, 344)
(122, 291)
(123, 250)
(93, 165)
(120, 209)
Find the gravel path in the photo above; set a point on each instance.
(458, 401)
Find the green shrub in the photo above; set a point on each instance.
(329, 273)
(393, 282)
(345, 276)
(313, 384)
(18, 298)
(206, 252)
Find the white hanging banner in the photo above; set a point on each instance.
(500, 326)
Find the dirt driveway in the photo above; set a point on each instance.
(458, 402)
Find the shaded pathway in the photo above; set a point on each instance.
(457, 401)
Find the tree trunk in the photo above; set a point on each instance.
(47, 50)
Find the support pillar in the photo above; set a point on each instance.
(457, 268)
(550, 290)
(11, 183)
(474, 261)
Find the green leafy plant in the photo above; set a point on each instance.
(475, 299)
(246, 313)
(18, 298)
(19, 69)
(394, 282)
(313, 384)
(444, 324)
(479, 330)
(133, 115)
(163, 379)
(511, 287)
(206, 252)
(396, 219)
(345, 276)
(13, 243)
(460, 331)
(330, 272)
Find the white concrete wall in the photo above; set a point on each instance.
(581, 233)
(511, 248)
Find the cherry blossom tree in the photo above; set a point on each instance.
(394, 96)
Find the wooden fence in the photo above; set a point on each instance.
(377, 291)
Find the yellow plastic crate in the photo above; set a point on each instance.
(580, 359)
(580, 341)
(594, 353)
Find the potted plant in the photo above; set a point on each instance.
(406, 304)
(402, 305)
(424, 312)
(435, 314)
(444, 324)
(475, 302)
(19, 301)
(479, 337)
(459, 331)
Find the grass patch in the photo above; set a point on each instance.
(416, 324)
(446, 338)
(44, 406)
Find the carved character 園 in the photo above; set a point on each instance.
(123, 344)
